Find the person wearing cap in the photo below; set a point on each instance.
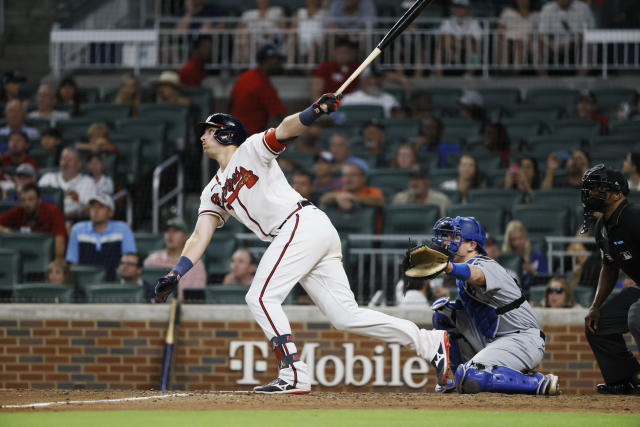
(330, 75)
(18, 147)
(324, 179)
(175, 237)
(130, 272)
(45, 103)
(37, 216)
(354, 191)
(587, 109)
(11, 83)
(168, 89)
(26, 174)
(100, 241)
(193, 72)
(472, 106)
(370, 92)
(459, 37)
(254, 99)
(242, 268)
(15, 114)
(419, 192)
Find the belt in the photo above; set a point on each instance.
(301, 204)
(542, 335)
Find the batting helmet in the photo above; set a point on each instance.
(230, 130)
(595, 184)
(448, 229)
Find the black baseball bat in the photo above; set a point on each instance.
(391, 35)
(169, 345)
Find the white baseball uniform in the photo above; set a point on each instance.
(305, 248)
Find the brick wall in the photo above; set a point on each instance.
(103, 347)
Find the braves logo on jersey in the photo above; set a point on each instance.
(240, 178)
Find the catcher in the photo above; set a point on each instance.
(496, 340)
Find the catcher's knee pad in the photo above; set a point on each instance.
(282, 353)
(469, 378)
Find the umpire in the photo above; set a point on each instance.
(617, 234)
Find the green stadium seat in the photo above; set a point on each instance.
(85, 275)
(74, 129)
(490, 217)
(42, 293)
(110, 293)
(218, 253)
(610, 98)
(201, 98)
(511, 262)
(361, 113)
(11, 271)
(36, 250)
(175, 116)
(494, 177)
(152, 134)
(536, 294)
(543, 220)
(152, 273)
(622, 127)
(401, 129)
(457, 129)
(388, 180)
(576, 128)
(534, 113)
(556, 97)
(409, 220)
(89, 95)
(495, 196)
(583, 295)
(148, 242)
(305, 161)
(438, 176)
(565, 197)
(357, 221)
(108, 113)
(128, 165)
(227, 294)
(546, 144)
(38, 123)
(444, 97)
(44, 158)
(520, 130)
(503, 97)
(617, 142)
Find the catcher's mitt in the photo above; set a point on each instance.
(425, 261)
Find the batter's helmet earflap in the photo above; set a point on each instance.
(230, 130)
(448, 229)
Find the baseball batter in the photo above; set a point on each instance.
(496, 341)
(304, 248)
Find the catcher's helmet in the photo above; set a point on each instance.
(448, 229)
(595, 184)
(230, 130)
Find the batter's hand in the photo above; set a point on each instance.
(166, 285)
(592, 318)
(327, 103)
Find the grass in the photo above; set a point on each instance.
(324, 418)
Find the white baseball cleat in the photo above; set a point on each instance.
(280, 386)
(551, 386)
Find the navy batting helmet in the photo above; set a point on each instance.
(230, 130)
(448, 229)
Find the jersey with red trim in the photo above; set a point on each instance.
(252, 188)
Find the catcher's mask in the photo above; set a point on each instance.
(596, 183)
(230, 130)
(454, 230)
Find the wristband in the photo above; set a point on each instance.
(308, 116)
(460, 271)
(183, 265)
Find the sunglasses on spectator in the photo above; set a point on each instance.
(555, 290)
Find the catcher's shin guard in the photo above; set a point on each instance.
(470, 379)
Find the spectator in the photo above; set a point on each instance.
(587, 109)
(517, 241)
(98, 134)
(371, 93)
(100, 241)
(625, 111)
(68, 94)
(175, 237)
(330, 75)
(302, 182)
(469, 177)
(491, 248)
(375, 142)
(421, 105)
(258, 25)
(309, 142)
(6, 184)
(95, 165)
(523, 176)
(18, 147)
(37, 216)
(325, 180)
(420, 192)
(193, 72)
(354, 191)
(459, 37)
(169, 90)
(585, 268)
(59, 273)
(254, 100)
(577, 165)
(472, 106)
(309, 22)
(51, 140)
(516, 28)
(352, 14)
(15, 115)
(339, 147)
(559, 294)
(405, 158)
(420, 291)
(45, 102)
(130, 271)
(198, 9)
(495, 139)
(430, 140)
(26, 174)
(78, 188)
(12, 81)
(129, 93)
(242, 268)
(631, 168)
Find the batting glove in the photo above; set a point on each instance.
(166, 285)
(315, 110)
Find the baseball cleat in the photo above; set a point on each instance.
(550, 386)
(280, 386)
(441, 360)
(620, 388)
(449, 387)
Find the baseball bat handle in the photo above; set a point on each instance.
(373, 55)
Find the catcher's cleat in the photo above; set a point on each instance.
(280, 386)
(449, 387)
(441, 359)
(621, 388)
(549, 385)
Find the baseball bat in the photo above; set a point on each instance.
(391, 35)
(169, 345)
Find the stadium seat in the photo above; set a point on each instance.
(38, 123)
(111, 293)
(36, 250)
(109, 113)
(610, 98)
(148, 242)
(583, 295)
(576, 128)
(89, 95)
(357, 221)
(128, 165)
(495, 196)
(521, 130)
(543, 220)
(617, 142)
(511, 262)
(388, 180)
(44, 158)
(456, 129)
(444, 97)
(218, 253)
(202, 98)
(438, 176)
(555, 97)
(533, 113)
(152, 134)
(227, 294)
(6, 205)
(565, 197)
(401, 129)
(536, 294)
(361, 113)
(505, 98)
(74, 129)
(11, 271)
(151, 273)
(410, 220)
(42, 293)
(85, 275)
(304, 161)
(622, 127)
(175, 116)
(490, 217)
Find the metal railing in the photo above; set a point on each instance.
(178, 192)
(419, 49)
(126, 195)
(557, 252)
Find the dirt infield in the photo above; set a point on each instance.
(319, 400)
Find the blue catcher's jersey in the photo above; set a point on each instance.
(481, 302)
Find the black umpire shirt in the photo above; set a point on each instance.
(619, 239)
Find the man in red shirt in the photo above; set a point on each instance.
(35, 215)
(588, 109)
(192, 72)
(17, 154)
(330, 75)
(254, 100)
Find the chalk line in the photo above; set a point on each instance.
(122, 399)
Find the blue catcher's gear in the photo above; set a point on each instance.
(470, 379)
(230, 130)
(454, 230)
